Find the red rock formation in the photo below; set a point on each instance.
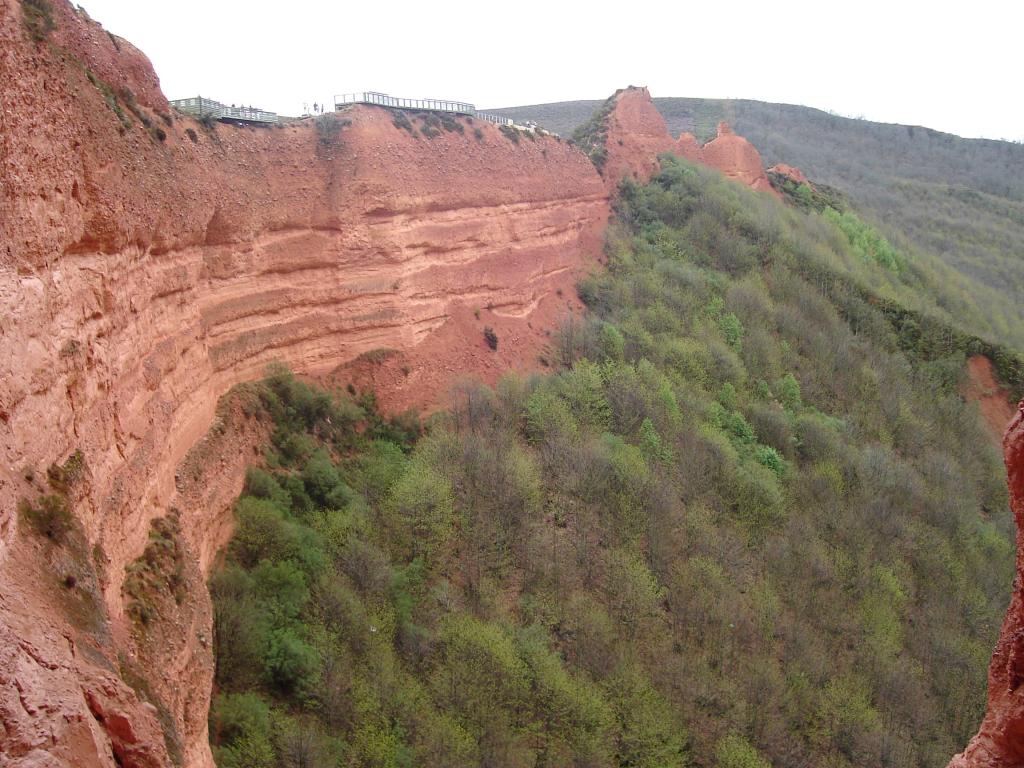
(688, 147)
(790, 172)
(141, 278)
(637, 134)
(736, 158)
(1000, 740)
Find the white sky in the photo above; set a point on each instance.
(951, 66)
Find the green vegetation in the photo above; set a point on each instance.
(510, 132)
(954, 204)
(451, 124)
(401, 120)
(110, 97)
(592, 135)
(328, 130)
(744, 522)
(50, 516)
(126, 96)
(160, 569)
(37, 16)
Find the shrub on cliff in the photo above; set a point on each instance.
(37, 16)
(491, 337)
(158, 573)
(50, 516)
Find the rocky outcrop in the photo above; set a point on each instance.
(636, 134)
(734, 156)
(147, 265)
(1000, 740)
(790, 172)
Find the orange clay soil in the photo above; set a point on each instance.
(990, 396)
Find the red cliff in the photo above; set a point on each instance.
(148, 264)
(1000, 739)
(635, 135)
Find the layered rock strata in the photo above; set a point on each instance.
(148, 263)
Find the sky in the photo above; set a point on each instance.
(948, 65)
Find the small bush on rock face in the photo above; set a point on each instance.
(37, 16)
(161, 567)
(400, 120)
(491, 337)
(51, 518)
(511, 133)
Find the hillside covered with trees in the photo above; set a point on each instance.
(745, 520)
(961, 200)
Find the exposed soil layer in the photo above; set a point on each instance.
(991, 397)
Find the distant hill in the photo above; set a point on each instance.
(960, 199)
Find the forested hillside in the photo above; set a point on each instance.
(745, 520)
(959, 199)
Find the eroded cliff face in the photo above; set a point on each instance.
(1000, 739)
(637, 134)
(142, 277)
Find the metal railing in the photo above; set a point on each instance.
(383, 100)
(496, 119)
(426, 105)
(202, 107)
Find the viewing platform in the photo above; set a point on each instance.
(417, 105)
(201, 107)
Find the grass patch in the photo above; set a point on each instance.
(37, 16)
(510, 132)
(49, 516)
(159, 570)
(110, 97)
(401, 120)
